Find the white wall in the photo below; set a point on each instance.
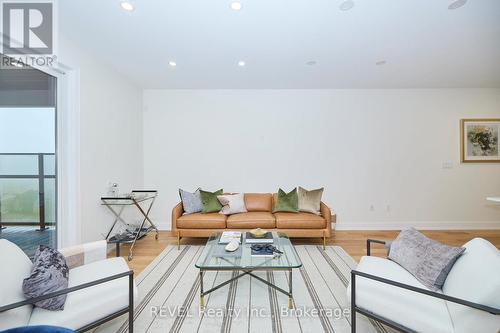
(110, 134)
(366, 147)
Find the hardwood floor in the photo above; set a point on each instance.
(354, 242)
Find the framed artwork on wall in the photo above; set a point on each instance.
(479, 140)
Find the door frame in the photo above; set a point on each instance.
(68, 226)
(68, 158)
(68, 209)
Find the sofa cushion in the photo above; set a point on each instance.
(210, 202)
(428, 260)
(299, 221)
(286, 202)
(232, 204)
(202, 221)
(418, 312)
(475, 277)
(87, 305)
(15, 267)
(191, 202)
(251, 220)
(310, 201)
(258, 202)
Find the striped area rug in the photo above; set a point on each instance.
(169, 297)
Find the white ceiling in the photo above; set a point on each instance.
(425, 44)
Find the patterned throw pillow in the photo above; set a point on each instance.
(48, 274)
(287, 202)
(232, 204)
(427, 260)
(310, 201)
(210, 202)
(191, 202)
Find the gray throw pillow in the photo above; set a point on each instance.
(191, 202)
(49, 274)
(429, 261)
(310, 201)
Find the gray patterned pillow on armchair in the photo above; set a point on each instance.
(49, 274)
(427, 260)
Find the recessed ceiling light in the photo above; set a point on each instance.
(346, 5)
(311, 63)
(381, 63)
(172, 63)
(457, 4)
(127, 6)
(236, 5)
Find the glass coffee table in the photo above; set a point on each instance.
(215, 258)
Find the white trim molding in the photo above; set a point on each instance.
(422, 225)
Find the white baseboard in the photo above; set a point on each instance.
(398, 225)
(422, 225)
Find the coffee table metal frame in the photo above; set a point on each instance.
(249, 271)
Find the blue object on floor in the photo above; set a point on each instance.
(38, 329)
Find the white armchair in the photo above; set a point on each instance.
(468, 302)
(99, 289)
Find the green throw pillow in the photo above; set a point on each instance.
(210, 202)
(287, 202)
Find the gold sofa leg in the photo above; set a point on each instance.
(178, 240)
(324, 241)
(202, 303)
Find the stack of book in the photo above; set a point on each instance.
(228, 236)
(266, 239)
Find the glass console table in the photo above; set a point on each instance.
(116, 205)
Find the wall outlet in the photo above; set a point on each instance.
(113, 189)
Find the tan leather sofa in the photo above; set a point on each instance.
(259, 207)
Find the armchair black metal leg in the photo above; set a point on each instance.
(131, 303)
(353, 303)
(368, 245)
